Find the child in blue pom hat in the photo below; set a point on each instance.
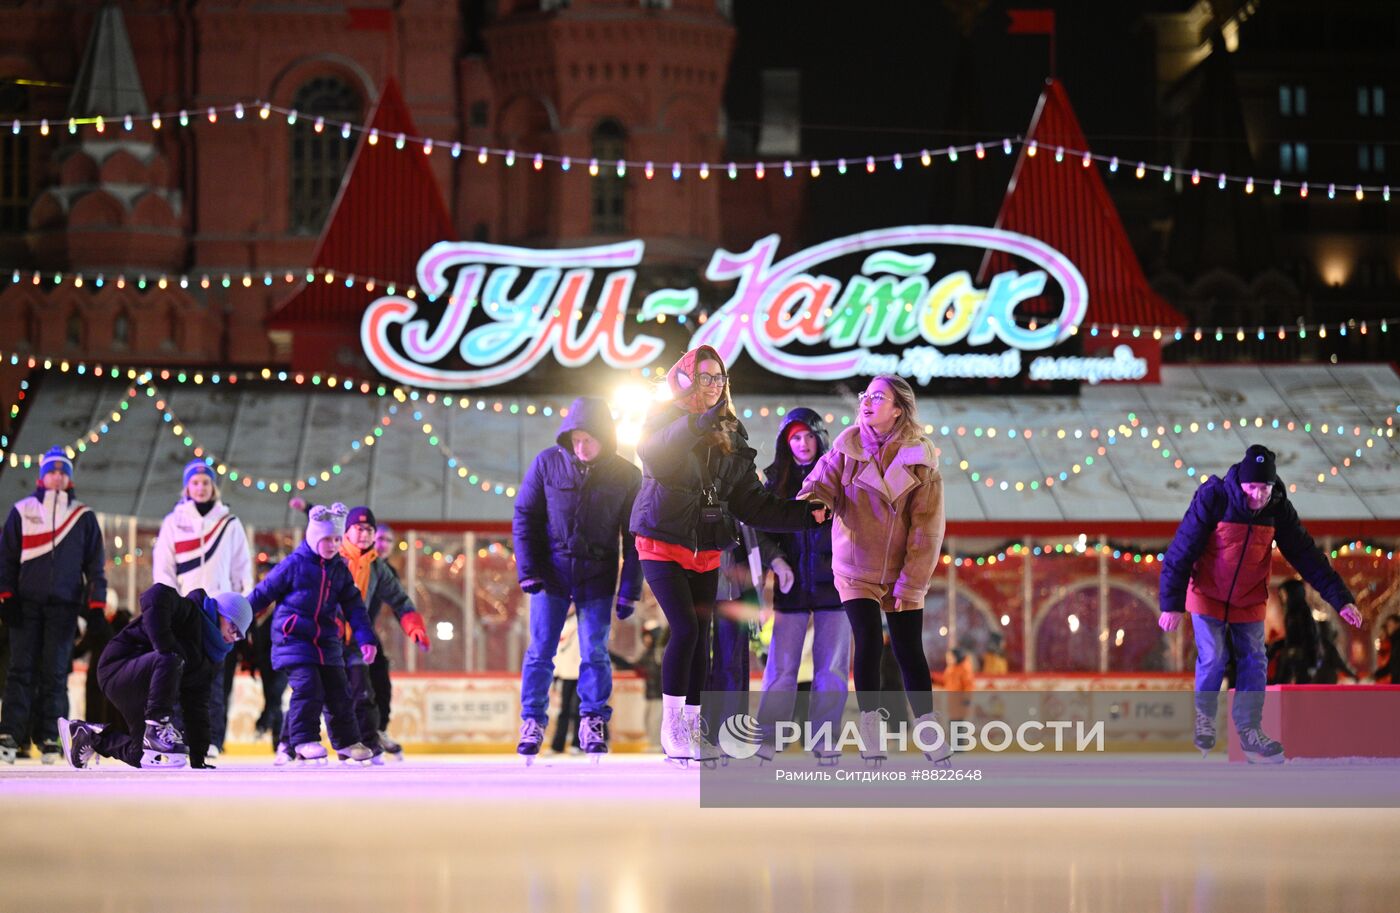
(51, 570)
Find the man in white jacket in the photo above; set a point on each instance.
(202, 546)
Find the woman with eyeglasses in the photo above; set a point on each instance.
(881, 479)
(698, 476)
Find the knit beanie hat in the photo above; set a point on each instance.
(324, 522)
(56, 458)
(235, 607)
(1257, 465)
(360, 515)
(795, 428)
(197, 467)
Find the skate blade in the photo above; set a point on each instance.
(874, 762)
(833, 761)
(65, 738)
(155, 760)
(682, 763)
(394, 756)
(50, 758)
(1261, 759)
(530, 759)
(596, 758)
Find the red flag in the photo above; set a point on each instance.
(1031, 22)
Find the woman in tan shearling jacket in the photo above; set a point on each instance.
(882, 482)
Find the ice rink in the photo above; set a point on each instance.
(439, 833)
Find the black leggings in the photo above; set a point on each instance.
(688, 601)
(907, 641)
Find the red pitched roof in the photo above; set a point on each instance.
(388, 212)
(1067, 206)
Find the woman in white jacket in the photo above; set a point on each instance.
(202, 546)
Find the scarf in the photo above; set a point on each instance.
(214, 643)
(360, 564)
(881, 448)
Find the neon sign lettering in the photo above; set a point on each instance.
(893, 302)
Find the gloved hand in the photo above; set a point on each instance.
(625, 609)
(1169, 621)
(368, 652)
(783, 572)
(530, 586)
(417, 631)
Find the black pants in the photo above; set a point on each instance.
(688, 601)
(727, 678)
(41, 651)
(568, 715)
(142, 686)
(383, 688)
(907, 641)
(315, 688)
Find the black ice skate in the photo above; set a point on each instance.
(593, 737)
(872, 746)
(79, 743)
(531, 737)
(392, 750)
(1205, 732)
(9, 749)
(163, 746)
(1258, 748)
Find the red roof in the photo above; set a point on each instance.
(1067, 206)
(388, 212)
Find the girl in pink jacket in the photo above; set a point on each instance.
(882, 482)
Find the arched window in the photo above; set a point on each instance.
(121, 331)
(14, 162)
(609, 198)
(319, 159)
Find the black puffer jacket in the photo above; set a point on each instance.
(171, 623)
(677, 460)
(807, 552)
(571, 517)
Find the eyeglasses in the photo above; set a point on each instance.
(873, 399)
(710, 380)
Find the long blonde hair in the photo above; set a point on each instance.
(906, 428)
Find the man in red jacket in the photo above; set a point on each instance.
(1217, 569)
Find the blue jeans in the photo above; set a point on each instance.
(1251, 667)
(831, 667)
(547, 615)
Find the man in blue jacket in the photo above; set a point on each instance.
(51, 569)
(571, 527)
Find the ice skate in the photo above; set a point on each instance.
(79, 743)
(163, 746)
(1205, 732)
(1258, 748)
(702, 749)
(283, 756)
(391, 748)
(872, 745)
(311, 754)
(593, 735)
(942, 755)
(675, 737)
(531, 737)
(827, 757)
(212, 753)
(9, 749)
(50, 751)
(355, 755)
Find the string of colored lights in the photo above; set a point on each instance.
(868, 163)
(80, 444)
(1080, 547)
(143, 281)
(1374, 549)
(252, 481)
(455, 463)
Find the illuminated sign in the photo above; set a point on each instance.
(894, 316)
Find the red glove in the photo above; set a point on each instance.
(412, 624)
